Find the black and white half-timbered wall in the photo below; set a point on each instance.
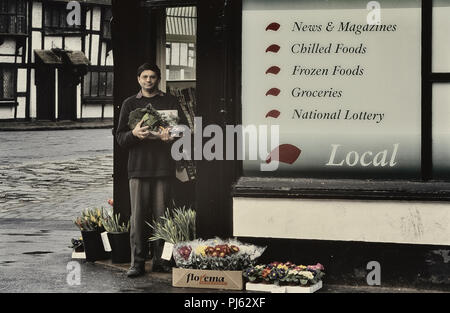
(51, 70)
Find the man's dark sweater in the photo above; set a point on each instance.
(148, 157)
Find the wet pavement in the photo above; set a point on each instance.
(54, 174)
(46, 179)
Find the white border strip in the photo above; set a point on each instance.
(343, 220)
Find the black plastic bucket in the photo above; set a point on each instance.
(120, 246)
(93, 246)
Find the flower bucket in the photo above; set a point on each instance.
(93, 246)
(120, 247)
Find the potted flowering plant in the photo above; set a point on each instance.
(119, 238)
(91, 226)
(287, 275)
(213, 263)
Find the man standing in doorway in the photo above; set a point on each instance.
(150, 167)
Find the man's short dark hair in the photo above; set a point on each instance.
(149, 67)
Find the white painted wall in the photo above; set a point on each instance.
(103, 55)
(87, 47)
(21, 107)
(95, 46)
(33, 94)
(92, 111)
(79, 101)
(52, 42)
(343, 220)
(7, 59)
(109, 111)
(88, 19)
(21, 80)
(36, 39)
(73, 43)
(8, 46)
(6, 113)
(96, 19)
(56, 93)
(37, 15)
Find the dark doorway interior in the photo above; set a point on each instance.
(45, 92)
(67, 95)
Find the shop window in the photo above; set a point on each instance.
(13, 17)
(55, 20)
(441, 39)
(7, 84)
(98, 84)
(346, 96)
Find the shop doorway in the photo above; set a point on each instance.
(176, 54)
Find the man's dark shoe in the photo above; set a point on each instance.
(135, 271)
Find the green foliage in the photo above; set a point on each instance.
(112, 224)
(174, 227)
(150, 117)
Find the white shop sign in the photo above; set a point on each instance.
(345, 93)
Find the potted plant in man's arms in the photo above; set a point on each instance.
(119, 238)
(90, 224)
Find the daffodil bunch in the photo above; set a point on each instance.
(91, 219)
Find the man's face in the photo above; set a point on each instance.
(148, 80)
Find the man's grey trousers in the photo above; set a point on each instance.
(149, 198)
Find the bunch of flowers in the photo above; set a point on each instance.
(220, 251)
(92, 220)
(216, 254)
(285, 274)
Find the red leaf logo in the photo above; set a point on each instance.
(273, 92)
(273, 70)
(285, 153)
(273, 48)
(273, 26)
(273, 113)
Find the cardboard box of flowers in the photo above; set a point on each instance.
(286, 277)
(213, 263)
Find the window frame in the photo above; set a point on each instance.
(16, 15)
(61, 9)
(13, 100)
(427, 189)
(168, 47)
(88, 98)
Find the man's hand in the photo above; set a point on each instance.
(141, 132)
(165, 134)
